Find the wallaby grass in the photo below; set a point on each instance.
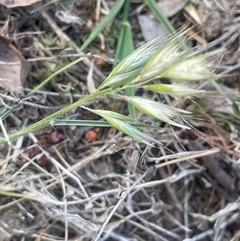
(66, 175)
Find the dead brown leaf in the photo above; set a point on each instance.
(151, 29)
(13, 66)
(170, 8)
(17, 3)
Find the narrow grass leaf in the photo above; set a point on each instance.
(159, 15)
(163, 20)
(235, 108)
(108, 19)
(125, 42)
(92, 123)
(98, 123)
(130, 91)
(20, 195)
(43, 83)
(125, 46)
(4, 112)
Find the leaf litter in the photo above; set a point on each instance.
(13, 66)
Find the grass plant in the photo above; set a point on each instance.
(169, 58)
(145, 178)
(156, 59)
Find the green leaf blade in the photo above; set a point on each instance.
(107, 19)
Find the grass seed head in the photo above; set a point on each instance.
(163, 58)
(130, 67)
(190, 68)
(160, 59)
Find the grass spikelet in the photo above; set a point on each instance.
(157, 110)
(119, 121)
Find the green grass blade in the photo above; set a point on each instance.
(219, 89)
(110, 17)
(130, 91)
(125, 46)
(115, 9)
(98, 123)
(20, 195)
(53, 75)
(4, 113)
(235, 109)
(159, 15)
(163, 19)
(90, 123)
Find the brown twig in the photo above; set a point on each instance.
(220, 175)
